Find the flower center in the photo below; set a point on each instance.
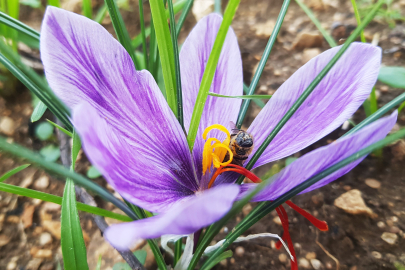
(215, 153)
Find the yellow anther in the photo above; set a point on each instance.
(215, 154)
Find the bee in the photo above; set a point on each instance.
(241, 145)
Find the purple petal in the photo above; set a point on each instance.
(186, 217)
(333, 101)
(322, 158)
(152, 166)
(228, 80)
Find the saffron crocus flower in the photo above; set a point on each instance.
(130, 134)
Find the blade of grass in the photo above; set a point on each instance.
(165, 51)
(87, 9)
(223, 256)
(309, 89)
(143, 32)
(401, 107)
(183, 16)
(39, 110)
(242, 97)
(153, 52)
(120, 30)
(179, 95)
(177, 251)
(19, 26)
(209, 71)
(263, 61)
(265, 208)
(12, 172)
(60, 128)
(218, 6)
(258, 102)
(55, 3)
(30, 193)
(59, 170)
(138, 40)
(13, 7)
(101, 13)
(311, 15)
(357, 15)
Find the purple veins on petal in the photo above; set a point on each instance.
(320, 159)
(185, 217)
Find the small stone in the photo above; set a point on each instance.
(353, 268)
(47, 266)
(42, 182)
(53, 227)
(317, 199)
(381, 224)
(11, 265)
(232, 260)
(390, 223)
(277, 220)
(273, 244)
(328, 265)
(264, 29)
(391, 257)
(45, 238)
(239, 251)
(34, 264)
(4, 240)
(27, 215)
(384, 88)
(373, 183)
(247, 209)
(224, 263)
(347, 187)
(376, 254)
(316, 264)
(7, 126)
(27, 181)
(352, 202)
(201, 8)
(307, 40)
(394, 219)
(310, 255)
(310, 53)
(13, 219)
(277, 72)
(304, 263)
(282, 258)
(41, 253)
(394, 229)
(390, 238)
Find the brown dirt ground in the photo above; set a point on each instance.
(352, 240)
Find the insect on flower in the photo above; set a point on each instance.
(130, 134)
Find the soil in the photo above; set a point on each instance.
(353, 241)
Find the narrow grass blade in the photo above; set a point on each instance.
(12, 172)
(50, 103)
(87, 9)
(138, 40)
(263, 61)
(165, 51)
(183, 16)
(309, 89)
(357, 15)
(209, 71)
(223, 256)
(218, 6)
(153, 53)
(258, 102)
(119, 27)
(59, 170)
(98, 266)
(19, 26)
(39, 110)
(55, 3)
(101, 13)
(311, 15)
(242, 97)
(177, 251)
(266, 207)
(143, 32)
(60, 128)
(401, 107)
(179, 95)
(30, 193)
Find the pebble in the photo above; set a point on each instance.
(42, 182)
(47, 266)
(328, 265)
(27, 216)
(304, 263)
(27, 181)
(352, 202)
(277, 220)
(41, 253)
(316, 264)
(34, 264)
(4, 240)
(384, 88)
(7, 126)
(224, 262)
(391, 257)
(394, 229)
(310, 255)
(390, 238)
(373, 183)
(394, 219)
(45, 238)
(239, 251)
(264, 29)
(247, 209)
(381, 224)
(347, 187)
(53, 227)
(353, 268)
(11, 265)
(307, 40)
(282, 258)
(376, 254)
(310, 53)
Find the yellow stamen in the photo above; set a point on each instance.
(216, 153)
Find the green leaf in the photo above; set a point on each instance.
(60, 128)
(55, 3)
(58, 200)
(19, 26)
(121, 266)
(223, 256)
(39, 110)
(12, 172)
(141, 256)
(209, 72)
(51, 153)
(98, 266)
(290, 160)
(258, 102)
(87, 9)
(93, 172)
(119, 27)
(311, 15)
(393, 76)
(44, 131)
(165, 51)
(183, 16)
(31, 3)
(101, 14)
(357, 15)
(242, 97)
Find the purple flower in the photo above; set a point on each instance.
(130, 134)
